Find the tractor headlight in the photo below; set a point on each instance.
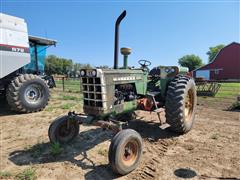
(172, 70)
(82, 73)
(94, 73)
(167, 70)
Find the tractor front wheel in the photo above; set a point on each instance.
(63, 130)
(181, 104)
(125, 151)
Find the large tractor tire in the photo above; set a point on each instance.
(27, 93)
(181, 101)
(125, 151)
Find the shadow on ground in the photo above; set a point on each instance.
(185, 173)
(5, 109)
(41, 153)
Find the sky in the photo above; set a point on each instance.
(159, 31)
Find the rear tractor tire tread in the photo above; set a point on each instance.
(175, 102)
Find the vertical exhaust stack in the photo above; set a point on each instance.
(116, 42)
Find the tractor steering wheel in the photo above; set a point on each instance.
(144, 63)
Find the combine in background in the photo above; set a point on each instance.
(22, 78)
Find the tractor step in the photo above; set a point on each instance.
(152, 96)
(153, 93)
(158, 111)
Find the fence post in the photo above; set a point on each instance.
(63, 85)
(80, 87)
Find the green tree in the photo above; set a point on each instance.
(86, 66)
(213, 51)
(190, 61)
(51, 65)
(57, 65)
(104, 67)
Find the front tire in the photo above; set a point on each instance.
(27, 93)
(125, 151)
(181, 104)
(62, 132)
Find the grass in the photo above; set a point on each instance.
(72, 86)
(49, 108)
(55, 149)
(67, 106)
(69, 97)
(27, 174)
(228, 90)
(36, 150)
(235, 106)
(226, 95)
(5, 175)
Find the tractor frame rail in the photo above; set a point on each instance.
(109, 123)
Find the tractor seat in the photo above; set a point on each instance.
(154, 73)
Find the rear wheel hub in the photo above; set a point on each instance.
(189, 102)
(33, 93)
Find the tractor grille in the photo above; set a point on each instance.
(92, 92)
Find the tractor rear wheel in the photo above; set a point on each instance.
(125, 151)
(27, 93)
(63, 130)
(180, 104)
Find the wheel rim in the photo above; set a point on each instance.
(130, 153)
(65, 133)
(33, 93)
(189, 103)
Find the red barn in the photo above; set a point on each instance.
(225, 66)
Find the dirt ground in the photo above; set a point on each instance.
(211, 150)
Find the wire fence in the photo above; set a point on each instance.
(70, 85)
(228, 92)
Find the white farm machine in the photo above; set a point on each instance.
(22, 79)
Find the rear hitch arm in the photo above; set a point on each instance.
(72, 116)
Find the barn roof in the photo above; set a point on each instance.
(217, 55)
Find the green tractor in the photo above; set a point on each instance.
(110, 97)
